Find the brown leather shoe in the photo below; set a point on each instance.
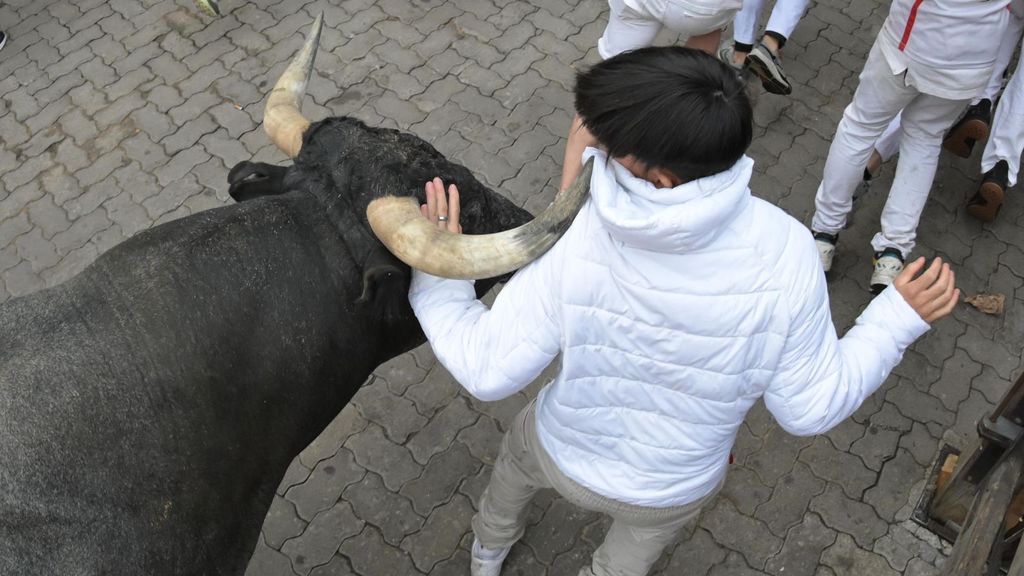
(987, 201)
(972, 128)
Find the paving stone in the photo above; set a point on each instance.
(745, 490)
(898, 475)
(990, 384)
(779, 451)
(733, 530)
(957, 374)
(482, 439)
(900, 546)
(439, 433)
(441, 533)
(852, 517)
(789, 501)
(802, 548)
(282, 523)
(375, 452)
(441, 476)
(846, 559)
(47, 216)
(338, 566)
(344, 425)
(322, 538)
(389, 512)
(918, 567)
(325, 484)
(881, 437)
(921, 445)
(734, 565)
(296, 473)
(80, 231)
(917, 405)
(265, 560)
(695, 556)
(437, 390)
(395, 414)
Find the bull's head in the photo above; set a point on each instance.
(396, 220)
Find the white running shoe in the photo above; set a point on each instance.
(888, 265)
(486, 562)
(826, 248)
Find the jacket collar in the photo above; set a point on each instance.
(687, 217)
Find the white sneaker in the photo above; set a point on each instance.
(486, 562)
(826, 248)
(888, 265)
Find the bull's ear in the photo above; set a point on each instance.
(248, 180)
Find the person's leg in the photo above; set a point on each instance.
(1007, 139)
(627, 29)
(1011, 40)
(630, 550)
(923, 122)
(1000, 162)
(888, 144)
(744, 30)
(515, 480)
(878, 99)
(786, 14)
(706, 42)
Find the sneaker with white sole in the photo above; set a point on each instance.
(826, 244)
(486, 562)
(768, 68)
(888, 264)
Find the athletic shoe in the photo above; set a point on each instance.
(888, 265)
(3, 39)
(210, 7)
(987, 201)
(766, 65)
(726, 54)
(826, 244)
(486, 562)
(972, 127)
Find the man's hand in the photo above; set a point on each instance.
(441, 209)
(932, 294)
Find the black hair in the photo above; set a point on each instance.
(674, 108)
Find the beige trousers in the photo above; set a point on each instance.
(636, 539)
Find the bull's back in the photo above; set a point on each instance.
(149, 406)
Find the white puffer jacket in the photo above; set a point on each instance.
(674, 311)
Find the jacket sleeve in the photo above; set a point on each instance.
(493, 352)
(821, 379)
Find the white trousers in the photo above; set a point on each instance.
(1006, 142)
(878, 99)
(630, 29)
(889, 143)
(785, 16)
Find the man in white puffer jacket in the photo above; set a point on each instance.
(676, 300)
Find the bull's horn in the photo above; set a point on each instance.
(282, 119)
(398, 223)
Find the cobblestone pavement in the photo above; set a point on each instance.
(118, 115)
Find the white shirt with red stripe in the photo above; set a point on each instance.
(946, 47)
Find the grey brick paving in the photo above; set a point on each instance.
(115, 116)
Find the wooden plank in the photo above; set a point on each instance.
(985, 519)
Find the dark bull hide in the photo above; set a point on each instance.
(150, 405)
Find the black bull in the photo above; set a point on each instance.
(150, 406)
